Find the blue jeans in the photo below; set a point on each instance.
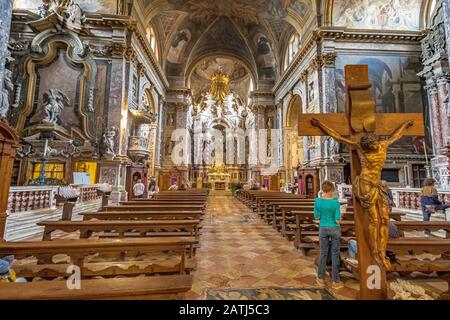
(352, 249)
(426, 217)
(329, 235)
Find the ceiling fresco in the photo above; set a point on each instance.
(240, 79)
(378, 14)
(250, 30)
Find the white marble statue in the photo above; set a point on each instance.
(109, 141)
(8, 87)
(54, 102)
(76, 15)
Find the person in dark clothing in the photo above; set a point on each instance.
(152, 185)
(429, 201)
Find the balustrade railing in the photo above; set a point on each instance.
(29, 198)
(404, 198)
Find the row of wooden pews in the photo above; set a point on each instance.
(293, 216)
(140, 249)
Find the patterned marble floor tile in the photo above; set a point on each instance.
(238, 250)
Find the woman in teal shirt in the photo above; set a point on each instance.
(328, 211)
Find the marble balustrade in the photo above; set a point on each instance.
(404, 198)
(30, 198)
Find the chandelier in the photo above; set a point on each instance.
(218, 100)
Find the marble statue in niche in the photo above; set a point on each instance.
(8, 87)
(76, 15)
(109, 141)
(311, 92)
(54, 102)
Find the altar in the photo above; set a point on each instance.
(219, 177)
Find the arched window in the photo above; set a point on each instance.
(292, 49)
(151, 37)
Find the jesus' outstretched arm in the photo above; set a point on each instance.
(332, 133)
(399, 132)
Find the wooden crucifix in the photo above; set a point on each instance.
(359, 129)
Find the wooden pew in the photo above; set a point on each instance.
(162, 202)
(287, 217)
(125, 228)
(103, 257)
(143, 215)
(177, 197)
(263, 204)
(120, 228)
(406, 249)
(142, 288)
(305, 228)
(271, 207)
(156, 207)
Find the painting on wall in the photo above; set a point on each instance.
(179, 44)
(279, 8)
(265, 58)
(103, 6)
(378, 14)
(395, 84)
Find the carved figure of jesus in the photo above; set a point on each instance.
(368, 188)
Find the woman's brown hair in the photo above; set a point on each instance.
(328, 186)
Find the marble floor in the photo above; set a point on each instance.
(239, 251)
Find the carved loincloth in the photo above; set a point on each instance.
(378, 194)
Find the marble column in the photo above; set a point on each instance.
(434, 115)
(280, 128)
(5, 25)
(329, 96)
(442, 83)
(181, 123)
(159, 137)
(446, 9)
(152, 148)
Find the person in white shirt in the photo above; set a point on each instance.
(138, 189)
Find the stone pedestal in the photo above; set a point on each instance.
(440, 172)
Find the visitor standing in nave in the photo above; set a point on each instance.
(138, 189)
(328, 211)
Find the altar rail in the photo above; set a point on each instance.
(30, 198)
(404, 198)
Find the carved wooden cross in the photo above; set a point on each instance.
(359, 120)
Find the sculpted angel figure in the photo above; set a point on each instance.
(54, 102)
(109, 141)
(8, 87)
(368, 189)
(76, 15)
